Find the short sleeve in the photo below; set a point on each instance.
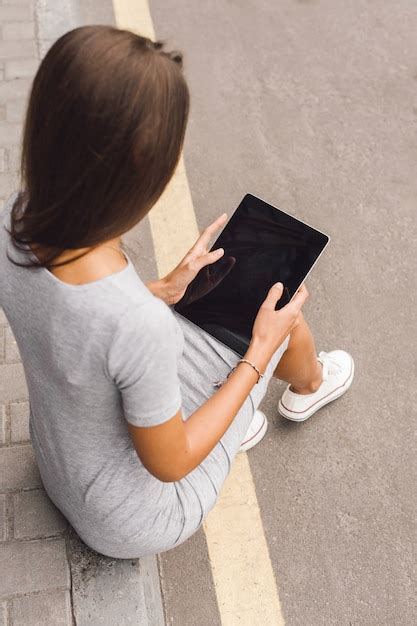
(142, 362)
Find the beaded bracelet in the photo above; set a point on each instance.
(219, 383)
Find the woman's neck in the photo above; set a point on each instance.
(99, 262)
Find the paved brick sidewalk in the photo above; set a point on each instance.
(48, 577)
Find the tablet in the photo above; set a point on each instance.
(262, 246)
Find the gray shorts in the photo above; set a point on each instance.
(204, 361)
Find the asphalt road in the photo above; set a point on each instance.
(312, 105)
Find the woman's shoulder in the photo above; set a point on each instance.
(146, 314)
(145, 333)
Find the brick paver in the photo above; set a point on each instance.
(36, 516)
(12, 382)
(18, 30)
(33, 566)
(19, 422)
(16, 11)
(18, 469)
(40, 609)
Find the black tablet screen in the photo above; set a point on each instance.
(262, 246)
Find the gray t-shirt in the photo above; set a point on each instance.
(94, 356)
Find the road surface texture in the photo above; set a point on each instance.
(311, 105)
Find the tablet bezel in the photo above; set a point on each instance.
(246, 197)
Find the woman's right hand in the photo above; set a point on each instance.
(271, 327)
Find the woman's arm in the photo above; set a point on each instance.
(173, 449)
(160, 289)
(165, 289)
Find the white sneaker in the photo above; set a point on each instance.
(255, 432)
(338, 370)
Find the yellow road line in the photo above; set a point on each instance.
(173, 222)
(242, 571)
(134, 15)
(244, 580)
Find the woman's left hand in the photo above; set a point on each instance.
(172, 287)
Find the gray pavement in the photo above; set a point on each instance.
(313, 106)
(48, 576)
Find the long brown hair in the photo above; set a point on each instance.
(103, 134)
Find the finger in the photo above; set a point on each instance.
(210, 257)
(300, 297)
(274, 294)
(302, 290)
(302, 287)
(211, 229)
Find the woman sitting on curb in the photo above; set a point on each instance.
(132, 440)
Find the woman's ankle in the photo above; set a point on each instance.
(312, 385)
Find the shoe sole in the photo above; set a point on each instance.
(294, 417)
(256, 438)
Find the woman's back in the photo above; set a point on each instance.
(76, 342)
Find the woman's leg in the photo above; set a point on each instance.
(298, 365)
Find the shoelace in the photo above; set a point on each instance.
(330, 365)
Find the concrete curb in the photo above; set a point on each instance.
(113, 591)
